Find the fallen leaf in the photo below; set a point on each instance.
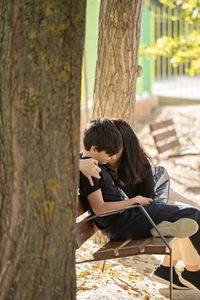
(125, 287)
(148, 270)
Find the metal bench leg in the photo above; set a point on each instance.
(166, 243)
(171, 274)
(104, 262)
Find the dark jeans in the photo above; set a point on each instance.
(134, 225)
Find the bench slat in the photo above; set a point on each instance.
(131, 247)
(165, 135)
(168, 146)
(113, 248)
(156, 245)
(159, 125)
(84, 230)
(134, 247)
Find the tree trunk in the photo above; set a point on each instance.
(40, 80)
(117, 59)
(117, 63)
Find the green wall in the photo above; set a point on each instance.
(92, 17)
(144, 83)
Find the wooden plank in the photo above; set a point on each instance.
(80, 207)
(164, 135)
(121, 248)
(156, 245)
(108, 250)
(84, 230)
(168, 146)
(159, 125)
(134, 247)
(178, 154)
(189, 151)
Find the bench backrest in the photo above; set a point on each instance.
(164, 135)
(83, 230)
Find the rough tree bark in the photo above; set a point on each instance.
(117, 59)
(40, 75)
(117, 63)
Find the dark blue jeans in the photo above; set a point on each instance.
(134, 225)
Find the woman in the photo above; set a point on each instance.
(132, 172)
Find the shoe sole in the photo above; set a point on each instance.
(181, 228)
(187, 283)
(161, 280)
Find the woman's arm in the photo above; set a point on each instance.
(89, 167)
(99, 206)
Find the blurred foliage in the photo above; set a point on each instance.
(184, 48)
(189, 9)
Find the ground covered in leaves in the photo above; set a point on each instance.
(129, 278)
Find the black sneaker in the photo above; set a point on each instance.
(161, 274)
(191, 279)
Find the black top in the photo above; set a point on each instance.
(111, 192)
(144, 188)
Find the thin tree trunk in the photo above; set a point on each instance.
(117, 60)
(40, 80)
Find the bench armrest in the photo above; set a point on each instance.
(115, 211)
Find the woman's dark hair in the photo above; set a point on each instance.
(104, 135)
(134, 163)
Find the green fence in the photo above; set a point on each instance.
(168, 22)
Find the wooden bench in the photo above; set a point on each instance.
(85, 228)
(166, 139)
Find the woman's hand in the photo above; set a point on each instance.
(89, 167)
(142, 200)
